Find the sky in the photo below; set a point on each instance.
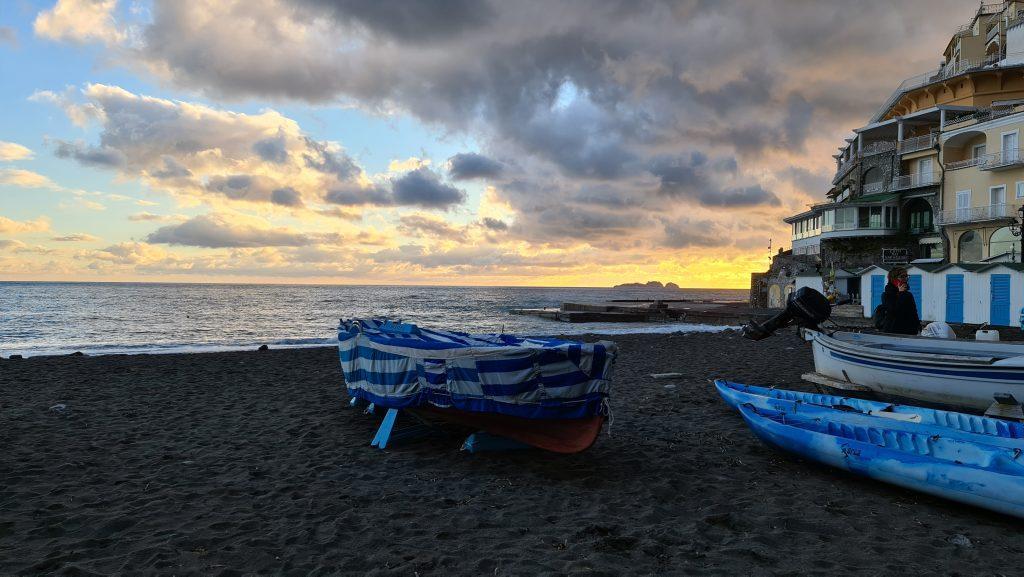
(448, 142)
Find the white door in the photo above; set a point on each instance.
(1010, 153)
(924, 171)
(963, 205)
(997, 201)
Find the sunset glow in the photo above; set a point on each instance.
(284, 141)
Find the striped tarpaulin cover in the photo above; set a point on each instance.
(400, 366)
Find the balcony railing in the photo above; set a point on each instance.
(982, 116)
(967, 163)
(908, 181)
(918, 143)
(872, 187)
(845, 167)
(1008, 158)
(878, 147)
(973, 214)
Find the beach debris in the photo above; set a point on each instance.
(60, 409)
(961, 540)
(665, 375)
(263, 348)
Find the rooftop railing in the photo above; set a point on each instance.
(953, 68)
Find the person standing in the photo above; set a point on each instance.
(900, 307)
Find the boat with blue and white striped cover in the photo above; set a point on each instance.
(546, 392)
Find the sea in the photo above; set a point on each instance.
(41, 318)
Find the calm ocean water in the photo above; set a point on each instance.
(106, 318)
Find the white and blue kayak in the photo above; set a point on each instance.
(970, 427)
(966, 458)
(973, 473)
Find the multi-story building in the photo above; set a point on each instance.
(935, 172)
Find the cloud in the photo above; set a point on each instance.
(423, 225)
(221, 231)
(8, 36)
(149, 217)
(89, 155)
(24, 178)
(470, 165)
(286, 196)
(81, 115)
(698, 178)
(80, 237)
(79, 21)
(9, 226)
(423, 187)
(494, 224)
(687, 233)
(13, 151)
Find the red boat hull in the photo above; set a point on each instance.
(555, 435)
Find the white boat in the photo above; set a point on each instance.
(960, 373)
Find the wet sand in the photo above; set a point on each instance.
(250, 463)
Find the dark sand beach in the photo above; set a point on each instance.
(250, 463)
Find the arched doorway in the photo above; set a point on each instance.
(968, 247)
(1003, 242)
(919, 218)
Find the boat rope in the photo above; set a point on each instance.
(606, 408)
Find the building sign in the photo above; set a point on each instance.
(895, 255)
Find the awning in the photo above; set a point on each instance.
(875, 198)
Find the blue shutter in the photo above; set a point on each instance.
(914, 285)
(999, 308)
(954, 298)
(877, 288)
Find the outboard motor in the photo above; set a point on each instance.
(806, 308)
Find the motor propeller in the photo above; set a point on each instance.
(805, 307)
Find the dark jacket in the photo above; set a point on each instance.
(900, 312)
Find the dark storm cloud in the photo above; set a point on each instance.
(422, 187)
(90, 155)
(469, 165)
(572, 95)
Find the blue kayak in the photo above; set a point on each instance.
(973, 428)
(974, 473)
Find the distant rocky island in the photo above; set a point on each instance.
(652, 285)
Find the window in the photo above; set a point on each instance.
(997, 195)
(891, 217)
(1020, 190)
(977, 151)
(969, 247)
(1003, 242)
(876, 217)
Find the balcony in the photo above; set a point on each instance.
(974, 214)
(878, 147)
(967, 163)
(917, 143)
(845, 168)
(909, 181)
(1004, 160)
